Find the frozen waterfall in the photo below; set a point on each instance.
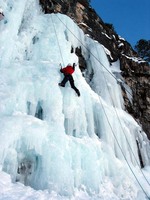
(54, 144)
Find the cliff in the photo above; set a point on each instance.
(135, 71)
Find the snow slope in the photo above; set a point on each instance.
(54, 144)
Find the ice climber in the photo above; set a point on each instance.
(1, 14)
(68, 71)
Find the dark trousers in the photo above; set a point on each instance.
(70, 79)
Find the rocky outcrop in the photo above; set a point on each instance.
(137, 77)
(135, 71)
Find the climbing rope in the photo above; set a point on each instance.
(57, 40)
(104, 109)
(123, 152)
(93, 55)
(122, 126)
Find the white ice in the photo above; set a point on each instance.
(54, 144)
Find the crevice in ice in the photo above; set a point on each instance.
(72, 49)
(38, 113)
(39, 110)
(35, 39)
(97, 125)
(139, 154)
(28, 165)
(66, 35)
(82, 60)
(89, 74)
(28, 107)
(69, 127)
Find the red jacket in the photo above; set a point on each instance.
(67, 70)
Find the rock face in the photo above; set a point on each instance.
(135, 71)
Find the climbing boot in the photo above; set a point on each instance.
(60, 84)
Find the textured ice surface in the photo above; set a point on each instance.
(53, 144)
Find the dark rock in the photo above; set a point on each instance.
(82, 61)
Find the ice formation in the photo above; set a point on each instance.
(53, 144)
